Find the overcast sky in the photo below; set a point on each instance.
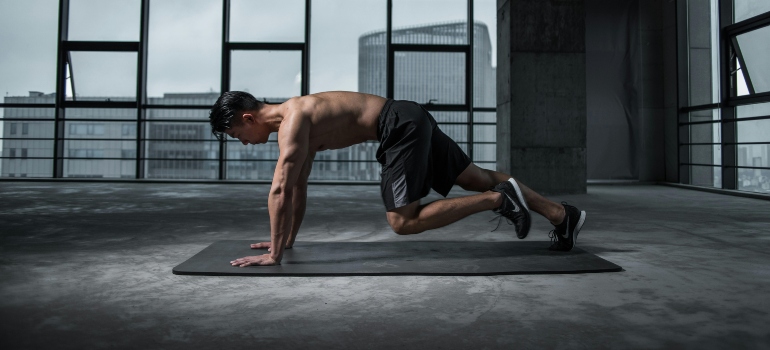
(184, 44)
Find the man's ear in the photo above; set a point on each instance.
(248, 118)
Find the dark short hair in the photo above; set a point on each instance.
(227, 105)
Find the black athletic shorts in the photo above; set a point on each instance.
(415, 155)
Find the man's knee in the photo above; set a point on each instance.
(401, 224)
(403, 220)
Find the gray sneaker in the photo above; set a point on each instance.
(514, 208)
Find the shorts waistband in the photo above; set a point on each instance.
(381, 118)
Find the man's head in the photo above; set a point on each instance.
(227, 111)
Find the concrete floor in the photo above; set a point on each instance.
(88, 266)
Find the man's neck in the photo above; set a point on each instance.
(271, 115)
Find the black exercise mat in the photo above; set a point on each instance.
(438, 258)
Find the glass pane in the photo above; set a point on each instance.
(414, 22)
(31, 113)
(28, 31)
(202, 114)
(458, 133)
(356, 163)
(99, 20)
(700, 116)
(372, 61)
(703, 52)
(102, 168)
(485, 117)
(486, 165)
(100, 130)
(27, 130)
(754, 130)
(27, 167)
(100, 113)
(755, 49)
(178, 131)
(704, 133)
(484, 133)
(704, 175)
(191, 150)
(449, 117)
(742, 88)
(754, 155)
(102, 76)
(267, 21)
(485, 53)
(745, 9)
(181, 169)
(171, 142)
(484, 152)
(238, 151)
(754, 180)
(324, 169)
(250, 170)
(26, 149)
(344, 55)
(184, 51)
(267, 74)
(705, 154)
(755, 110)
(436, 77)
(100, 149)
(186, 98)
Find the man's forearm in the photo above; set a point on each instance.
(299, 202)
(281, 213)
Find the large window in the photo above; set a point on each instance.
(724, 119)
(121, 88)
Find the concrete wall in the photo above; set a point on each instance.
(541, 101)
(541, 88)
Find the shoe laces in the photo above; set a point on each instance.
(555, 242)
(499, 218)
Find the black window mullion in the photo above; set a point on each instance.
(102, 46)
(141, 87)
(61, 88)
(390, 71)
(306, 52)
(224, 78)
(469, 76)
(728, 128)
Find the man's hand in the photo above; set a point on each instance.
(258, 260)
(264, 245)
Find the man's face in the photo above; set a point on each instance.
(248, 131)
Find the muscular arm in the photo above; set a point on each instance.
(293, 142)
(300, 199)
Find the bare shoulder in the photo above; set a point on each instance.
(300, 106)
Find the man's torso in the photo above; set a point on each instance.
(338, 119)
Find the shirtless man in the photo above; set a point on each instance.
(415, 156)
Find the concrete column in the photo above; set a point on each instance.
(541, 94)
(658, 95)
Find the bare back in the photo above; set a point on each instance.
(338, 119)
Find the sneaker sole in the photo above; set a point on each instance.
(520, 196)
(578, 227)
(518, 193)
